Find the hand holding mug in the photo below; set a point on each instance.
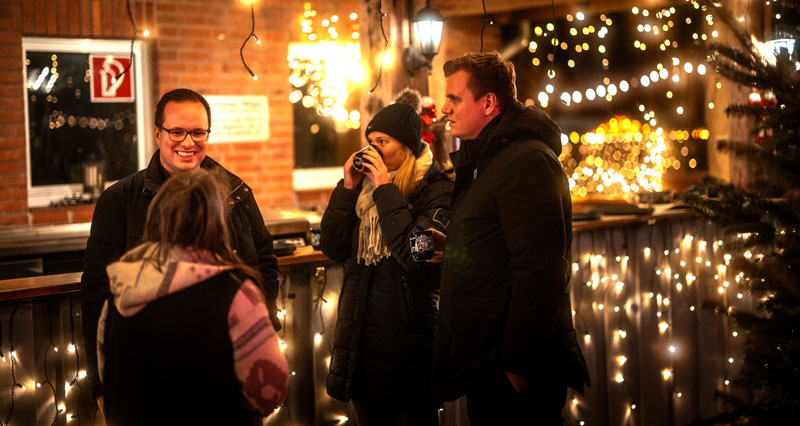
(352, 177)
(374, 167)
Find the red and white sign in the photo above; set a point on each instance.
(104, 83)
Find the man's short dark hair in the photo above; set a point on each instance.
(180, 95)
(488, 73)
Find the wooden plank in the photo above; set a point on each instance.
(74, 11)
(28, 17)
(39, 18)
(51, 9)
(46, 285)
(62, 18)
(85, 18)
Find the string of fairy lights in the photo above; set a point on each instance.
(25, 376)
(635, 158)
(622, 295)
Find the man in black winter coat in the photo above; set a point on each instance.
(182, 128)
(505, 336)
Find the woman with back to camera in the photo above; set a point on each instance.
(383, 343)
(187, 338)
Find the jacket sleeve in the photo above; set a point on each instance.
(259, 364)
(338, 222)
(267, 261)
(106, 244)
(398, 221)
(528, 200)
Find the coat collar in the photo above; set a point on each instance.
(156, 175)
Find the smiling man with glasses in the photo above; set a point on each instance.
(182, 129)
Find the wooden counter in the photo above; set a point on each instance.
(20, 288)
(48, 285)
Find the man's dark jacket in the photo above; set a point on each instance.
(383, 344)
(504, 298)
(118, 225)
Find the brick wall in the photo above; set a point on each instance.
(196, 45)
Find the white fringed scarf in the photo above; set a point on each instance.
(371, 247)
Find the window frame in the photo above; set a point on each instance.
(43, 195)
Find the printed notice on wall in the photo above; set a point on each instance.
(239, 118)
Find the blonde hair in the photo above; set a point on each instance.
(404, 176)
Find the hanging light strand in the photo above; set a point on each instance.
(249, 36)
(485, 20)
(385, 45)
(551, 72)
(133, 40)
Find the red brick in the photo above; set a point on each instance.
(170, 66)
(11, 104)
(12, 117)
(161, 7)
(11, 168)
(11, 76)
(11, 129)
(12, 23)
(12, 154)
(9, 193)
(83, 215)
(11, 50)
(51, 216)
(8, 206)
(7, 142)
(14, 219)
(10, 37)
(20, 180)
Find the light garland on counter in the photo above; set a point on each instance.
(609, 295)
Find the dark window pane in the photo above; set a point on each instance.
(68, 129)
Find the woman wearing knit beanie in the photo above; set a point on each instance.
(383, 343)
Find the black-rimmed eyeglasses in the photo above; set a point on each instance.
(179, 135)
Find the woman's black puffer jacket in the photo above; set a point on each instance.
(383, 343)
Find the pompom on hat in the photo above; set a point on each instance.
(401, 121)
